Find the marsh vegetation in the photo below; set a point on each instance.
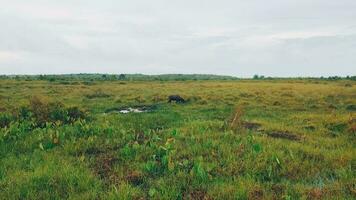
(231, 139)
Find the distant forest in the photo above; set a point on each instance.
(143, 77)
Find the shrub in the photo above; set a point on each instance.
(57, 112)
(44, 112)
(256, 76)
(74, 114)
(40, 110)
(351, 107)
(24, 113)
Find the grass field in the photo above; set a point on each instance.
(241, 139)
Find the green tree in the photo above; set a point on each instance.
(122, 76)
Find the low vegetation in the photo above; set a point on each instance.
(231, 139)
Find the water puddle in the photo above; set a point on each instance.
(132, 109)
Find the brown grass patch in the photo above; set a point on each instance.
(278, 191)
(197, 195)
(255, 194)
(135, 178)
(315, 194)
(103, 166)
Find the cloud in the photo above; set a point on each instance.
(242, 38)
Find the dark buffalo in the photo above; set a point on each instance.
(176, 98)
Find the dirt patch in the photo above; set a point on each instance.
(132, 109)
(255, 194)
(197, 195)
(135, 178)
(104, 167)
(278, 190)
(315, 193)
(103, 163)
(2, 109)
(332, 106)
(251, 125)
(284, 135)
(277, 103)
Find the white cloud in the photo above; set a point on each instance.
(235, 37)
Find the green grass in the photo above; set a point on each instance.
(180, 151)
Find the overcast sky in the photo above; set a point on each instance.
(230, 37)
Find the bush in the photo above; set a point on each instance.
(24, 113)
(74, 114)
(44, 112)
(40, 110)
(351, 107)
(57, 112)
(256, 76)
(39, 113)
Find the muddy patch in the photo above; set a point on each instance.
(278, 190)
(315, 193)
(2, 109)
(135, 178)
(284, 135)
(256, 194)
(103, 164)
(132, 109)
(197, 194)
(251, 125)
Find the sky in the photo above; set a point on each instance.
(229, 37)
